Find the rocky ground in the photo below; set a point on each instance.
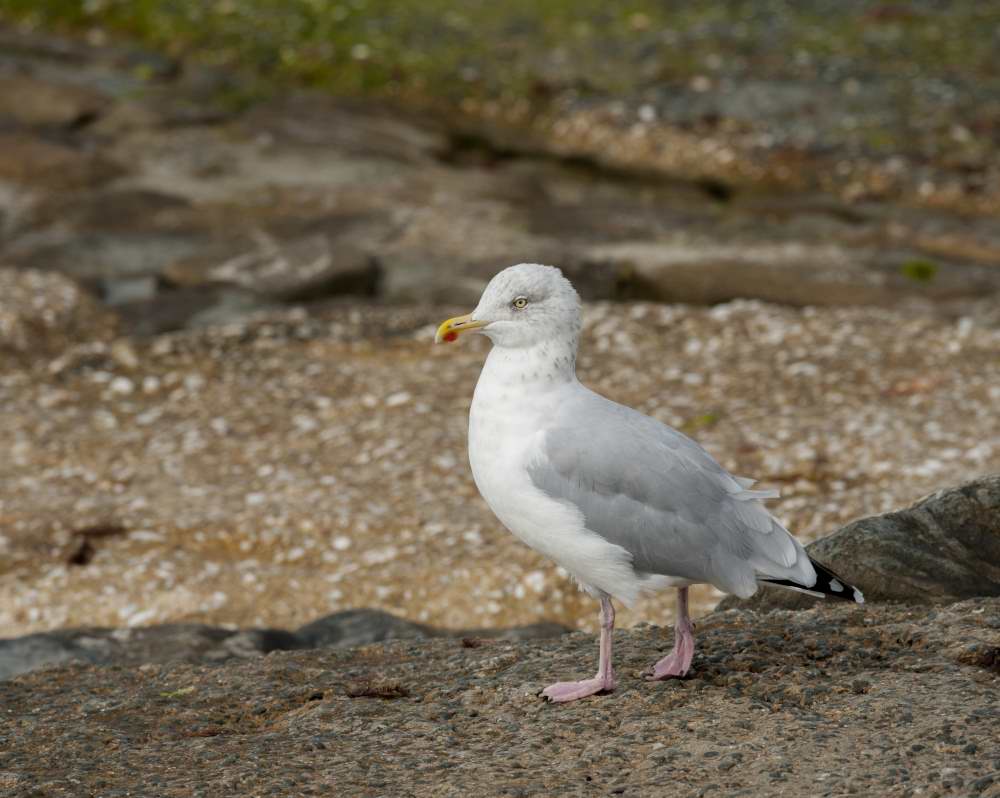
(132, 174)
(268, 472)
(842, 700)
(867, 101)
(220, 399)
(832, 699)
(222, 408)
(895, 557)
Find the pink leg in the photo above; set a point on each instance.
(678, 662)
(604, 681)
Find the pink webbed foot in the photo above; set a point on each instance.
(571, 691)
(678, 662)
(604, 681)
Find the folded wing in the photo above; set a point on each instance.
(662, 497)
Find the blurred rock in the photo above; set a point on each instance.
(944, 548)
(47, 166)
(361, 627)
(114, 210)
(95, 256)
(197, 643)
(167, 643)
(142, 179)
(42, 313)
(128, 290)
(170, 309)
(418, 277)
(32, 102)
(356, 129)
(788, 272)
(297, 270)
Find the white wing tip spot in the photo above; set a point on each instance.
(858, 596)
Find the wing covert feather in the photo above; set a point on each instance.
(661, 496)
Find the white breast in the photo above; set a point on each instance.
(507, 425)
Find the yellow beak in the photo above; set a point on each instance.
(451, 329)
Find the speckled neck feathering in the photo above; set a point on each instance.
(624, 503)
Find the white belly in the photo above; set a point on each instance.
(505, 436)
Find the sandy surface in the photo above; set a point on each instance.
(270, 472)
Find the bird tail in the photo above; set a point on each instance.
(827, 584)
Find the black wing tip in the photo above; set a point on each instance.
(827, 584)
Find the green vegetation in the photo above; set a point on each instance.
(919, 270)
(425, 47)
(527, 49)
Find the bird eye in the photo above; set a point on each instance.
(520, 303)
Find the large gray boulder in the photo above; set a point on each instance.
(944, 548)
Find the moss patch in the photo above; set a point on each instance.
(524, 49)
(919, 270)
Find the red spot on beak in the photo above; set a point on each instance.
(450, 336)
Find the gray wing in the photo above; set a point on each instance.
(659, 495)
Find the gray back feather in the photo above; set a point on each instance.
(659, 495)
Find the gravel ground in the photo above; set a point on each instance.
(883, 700)
(269, 472)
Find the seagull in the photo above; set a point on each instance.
(625, 504)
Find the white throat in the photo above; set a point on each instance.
(519, 392)
(537, 368)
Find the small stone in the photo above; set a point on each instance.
(122, 385)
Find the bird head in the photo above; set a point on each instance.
(521, 306)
